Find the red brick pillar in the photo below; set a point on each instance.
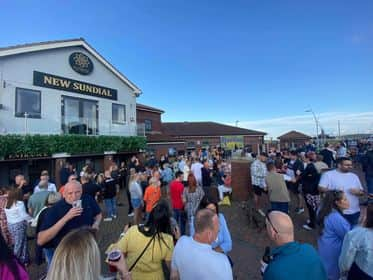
(241, 180)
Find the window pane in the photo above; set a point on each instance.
(148, 125)
(28, 101)
(80, 116)
(119, 113)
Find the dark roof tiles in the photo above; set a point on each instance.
(205, 129)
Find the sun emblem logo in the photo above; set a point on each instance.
(81, 63)
(81, 60)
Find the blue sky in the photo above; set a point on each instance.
(262, 63)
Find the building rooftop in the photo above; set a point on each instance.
(294, 135)
(77, 42)
(148, 108)
(205, 129)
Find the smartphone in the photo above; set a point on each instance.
(77, 203)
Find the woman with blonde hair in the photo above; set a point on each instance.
(136, 197)
(78, 257)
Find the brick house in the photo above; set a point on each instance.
(293, 139)
(181, 137)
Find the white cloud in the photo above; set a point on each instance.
(349, 123)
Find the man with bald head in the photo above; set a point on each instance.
(74, 211)
(290, 259)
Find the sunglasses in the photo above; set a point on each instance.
(269, 221)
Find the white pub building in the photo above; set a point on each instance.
(63, 87)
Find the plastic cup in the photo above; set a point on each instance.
(114, 256)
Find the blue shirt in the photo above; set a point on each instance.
(57, 211)
(358, 247)
(224, 240)
(330, 242)
(295, 261)
(167, 175)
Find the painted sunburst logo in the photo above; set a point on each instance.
(81, 60)
(81, 63)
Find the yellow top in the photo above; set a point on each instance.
(149, 265)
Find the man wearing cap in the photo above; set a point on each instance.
(44, 177)
(258, 174)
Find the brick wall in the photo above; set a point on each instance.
(162, 149)
(241, 180)
(155, 118)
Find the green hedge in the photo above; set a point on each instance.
(20, 146)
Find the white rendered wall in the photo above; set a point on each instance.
(17, 71)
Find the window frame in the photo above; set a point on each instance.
(81, 100)
(112, 112)
(151, 125)
(22, 115)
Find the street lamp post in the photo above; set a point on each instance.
(317, 126)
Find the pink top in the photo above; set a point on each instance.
(5, 273)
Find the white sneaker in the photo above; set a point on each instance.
(260, 211)
(131, 214)
(109, 219)
(307, 227)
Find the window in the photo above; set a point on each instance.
(119, 113)
(148, 125)
(79, 116)
(28, 102)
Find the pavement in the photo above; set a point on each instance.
(249, 242)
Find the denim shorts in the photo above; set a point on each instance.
(136, 202)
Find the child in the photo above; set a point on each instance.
(152, 195)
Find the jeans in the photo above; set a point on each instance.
(179, 216)
(48, 252)
(110, 205)
(280, 206)
(353, 219)
(191, 226)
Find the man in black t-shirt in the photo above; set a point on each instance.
(328, 155)
(89, 187)
(74, 211)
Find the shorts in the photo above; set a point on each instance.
(136, 202)
(293, 187)
(258, 190)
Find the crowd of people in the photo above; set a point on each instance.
(325, 183)
(177, 230)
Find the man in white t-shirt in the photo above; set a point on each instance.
(194, 258)
(343, 179)
(44, 178)
(196, 169)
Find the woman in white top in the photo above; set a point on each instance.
(186, 172)
(17, 224)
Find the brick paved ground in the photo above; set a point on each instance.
(248, 241)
